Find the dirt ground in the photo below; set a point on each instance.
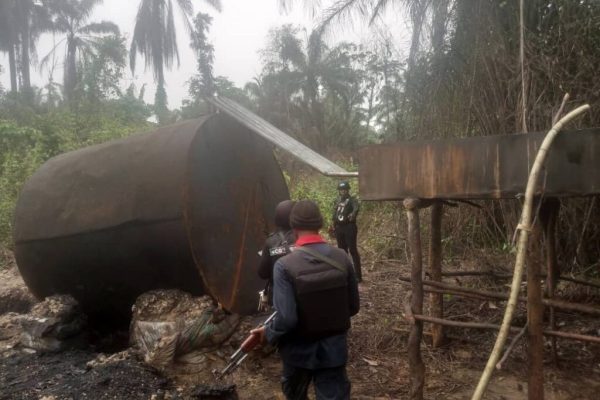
(378, 366)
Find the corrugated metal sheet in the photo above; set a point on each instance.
(489, 167)
(279, 138)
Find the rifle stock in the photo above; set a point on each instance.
(242, 352)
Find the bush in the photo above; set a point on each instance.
(27, 144)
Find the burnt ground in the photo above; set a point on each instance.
(67, 376)
(378, 366)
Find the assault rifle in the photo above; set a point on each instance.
(242, 352)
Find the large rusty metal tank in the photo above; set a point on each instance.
(187, 206)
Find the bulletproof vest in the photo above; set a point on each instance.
(280, 244)
(343, 209)
(321, 293)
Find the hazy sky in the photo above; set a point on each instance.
(238, 34)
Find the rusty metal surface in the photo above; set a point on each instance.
(231, 204)
(489, 167)
(279, 138)
(187, 206)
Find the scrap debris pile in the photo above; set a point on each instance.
(171, 326)
(49, 349)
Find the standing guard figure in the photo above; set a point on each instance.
(345, 211)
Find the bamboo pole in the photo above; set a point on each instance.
(579, 281)
(476, 273)
(435, 271)
(561, 304)
(415, 362)
(508, 276)
(523, 228)
(486, 325)
(453, 292)
(591, 282)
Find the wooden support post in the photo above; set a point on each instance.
(435, 271)
(415, 362)
(535, 317)
(548, 215)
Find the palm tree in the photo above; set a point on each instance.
(155, 37)
(374, 9)
(70, 18)
(21, 24)
(32, 19)
(9, 38)
(304, 73)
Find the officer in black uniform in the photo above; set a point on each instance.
(315, 295)
(278, 244)
(345, 211)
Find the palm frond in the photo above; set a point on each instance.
(132, 56)
(342, 10)
(86, 7)
(379, 9)
(46, 59)
(142, 34)
(100, 28)
(216, 4)
(186, 12)
(170, 49)
(186, 7)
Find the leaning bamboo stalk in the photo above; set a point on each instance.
(524, 228)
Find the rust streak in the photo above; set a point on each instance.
(238, 266)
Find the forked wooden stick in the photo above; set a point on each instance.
(524, 228)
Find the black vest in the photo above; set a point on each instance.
(280, 244)
(343, 208)
(321, 293)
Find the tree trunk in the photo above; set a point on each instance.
(12, 65)
(160, 98)
(435, 270)
(71, 69)
(535, 317)
(25, 49)
(548, 215)
(415, 362)
(440, 19)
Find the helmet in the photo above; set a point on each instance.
(282, 213)
(343, 185)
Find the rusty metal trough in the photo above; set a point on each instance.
(488, 167)
(187, 206)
